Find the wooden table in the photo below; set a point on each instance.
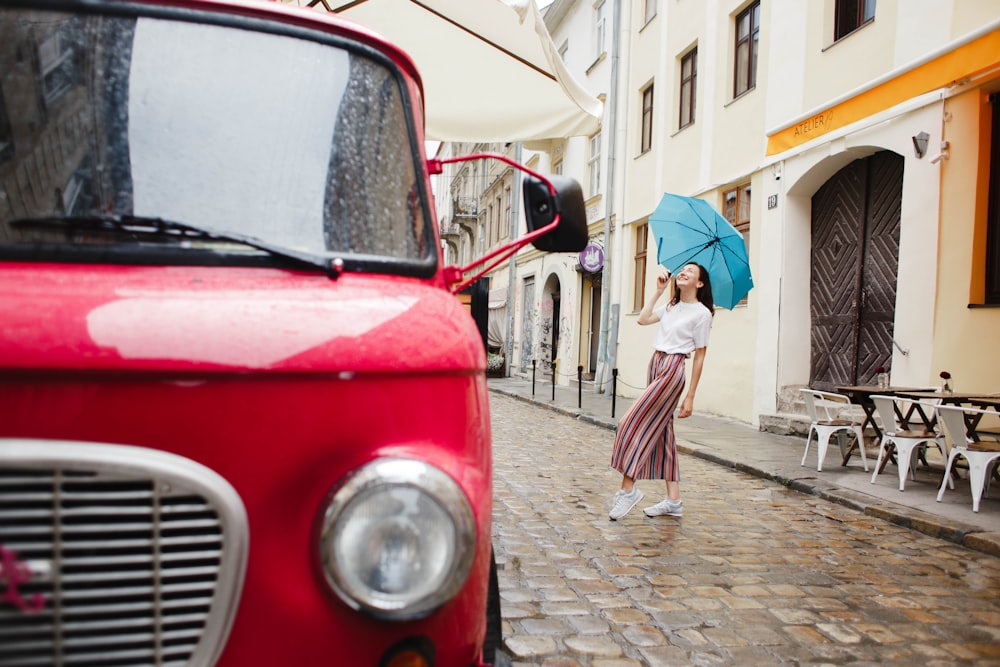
(972, 429)
(987, 403)
(862, 395)
(966, 398)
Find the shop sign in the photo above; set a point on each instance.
(592, 258)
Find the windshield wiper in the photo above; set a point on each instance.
(142, 225)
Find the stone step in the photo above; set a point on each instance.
(785, 424)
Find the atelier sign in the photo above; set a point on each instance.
(592, 258)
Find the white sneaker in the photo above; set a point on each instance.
(624, 502)
(665, 507)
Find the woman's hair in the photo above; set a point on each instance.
(704, 293)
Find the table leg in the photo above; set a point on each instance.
(845, 451)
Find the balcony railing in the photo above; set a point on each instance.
(465, 206)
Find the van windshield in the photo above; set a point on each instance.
(301, 144)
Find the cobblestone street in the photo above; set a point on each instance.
(753, 574)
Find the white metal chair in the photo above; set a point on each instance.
(981, 455)
(909, 443)
(825, 410)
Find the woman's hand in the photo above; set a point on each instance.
(646, 316)
(687, 407)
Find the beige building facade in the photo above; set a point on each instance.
(854, 144)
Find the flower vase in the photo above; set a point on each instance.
(946, 387)
(883, 380)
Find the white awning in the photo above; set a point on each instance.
(490, 69)
(496, 323)
(498, 298)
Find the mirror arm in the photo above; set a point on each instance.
(454, 275)
(436, 166)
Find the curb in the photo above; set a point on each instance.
(965, 535)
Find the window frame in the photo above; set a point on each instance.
(505, 230)
(491, 228)
(992, 276)
(747, 48)
(646, 120)
(600, 27)
(850, 15)
(594, 164)
(688, 86)
(649, 11)
(57, 66)
(639, 263)
(739, 214)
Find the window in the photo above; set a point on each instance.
(993, 219)
(491, 228)
(594, 165)
(557, 168)
(650, 11)
(849, 15)
(747, 40)
(505, 230)
(499, 222)
(736, 209)
(600, 27)
(59, 70)
(689, 77)
(646, 141)
(639, 283)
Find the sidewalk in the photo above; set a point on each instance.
(777, 457)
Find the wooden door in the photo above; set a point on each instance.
(595, 328)
(855, 256)
(527, 323)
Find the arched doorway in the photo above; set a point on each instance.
(590, 322)
(855, 256)
(548, 325)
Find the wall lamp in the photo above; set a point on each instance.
(943, 155)
(920, 144)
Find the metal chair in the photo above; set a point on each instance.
(909, 443)
(824, 410)
(981, 455)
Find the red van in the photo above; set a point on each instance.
(243, 416)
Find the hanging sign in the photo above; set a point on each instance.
(592, 258)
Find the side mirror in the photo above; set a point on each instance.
(541, 207)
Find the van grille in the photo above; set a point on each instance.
(131, 564)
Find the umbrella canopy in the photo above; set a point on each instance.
(686, 230)
(490, 69)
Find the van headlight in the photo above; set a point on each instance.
(397, 538)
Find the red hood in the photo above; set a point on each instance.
(178, 319)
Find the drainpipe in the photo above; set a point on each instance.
(604, 344)
(512, 265)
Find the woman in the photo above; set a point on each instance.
(645, 447)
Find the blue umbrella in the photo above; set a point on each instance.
(686, 230)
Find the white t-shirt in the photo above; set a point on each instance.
(683, 328)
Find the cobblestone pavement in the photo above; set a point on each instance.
(752, 574)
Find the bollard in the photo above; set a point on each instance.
(533, 362)
(614, 390)
(553, 380)
(579, 387)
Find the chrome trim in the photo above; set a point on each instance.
(179, 539)
(419, 475)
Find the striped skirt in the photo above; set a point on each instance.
(645, 447)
